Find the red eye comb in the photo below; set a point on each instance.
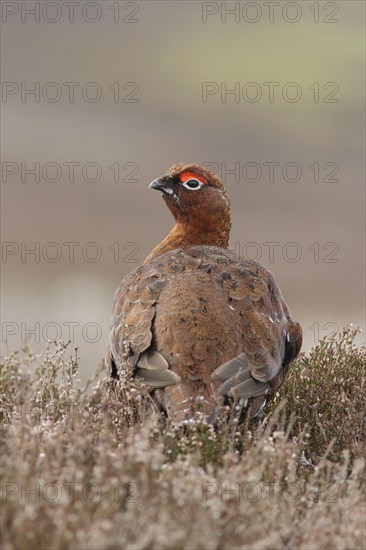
(189, 176)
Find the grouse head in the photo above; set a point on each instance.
(200, 206)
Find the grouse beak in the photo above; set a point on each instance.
(164, 185)
(157, 184)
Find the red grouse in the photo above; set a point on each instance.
(194, 322)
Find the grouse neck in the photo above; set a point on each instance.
(184, 235)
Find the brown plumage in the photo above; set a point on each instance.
(195, 323)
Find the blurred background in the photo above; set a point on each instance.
(269, 95)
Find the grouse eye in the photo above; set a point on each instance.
(192, 184)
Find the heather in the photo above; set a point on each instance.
(96, 467)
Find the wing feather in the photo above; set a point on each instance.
(206, 319)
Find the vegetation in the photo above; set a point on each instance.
(96, 468)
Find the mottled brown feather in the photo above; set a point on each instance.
(195, 306)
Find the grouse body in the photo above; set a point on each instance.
(196, 323)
